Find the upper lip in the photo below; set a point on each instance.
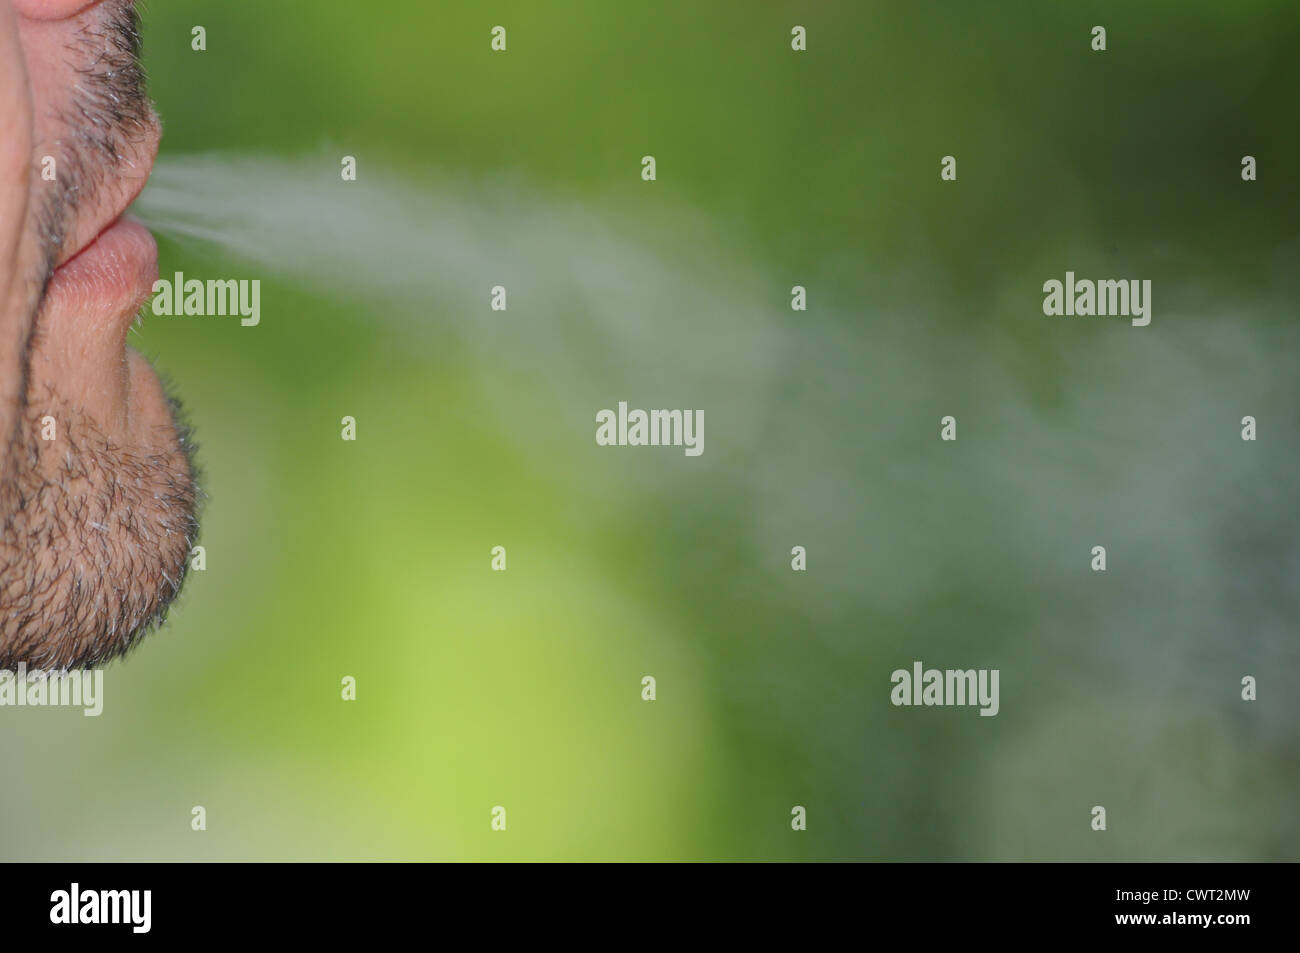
(115, 194)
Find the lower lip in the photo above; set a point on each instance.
(114, 273)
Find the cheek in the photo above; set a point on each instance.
(47, 30)
(49, 72)
(52, 61)
(51, 9)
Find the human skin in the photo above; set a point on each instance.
(97, 495)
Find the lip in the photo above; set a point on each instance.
(116, 194)
(105, 275)
(108, 280)
(120, 189)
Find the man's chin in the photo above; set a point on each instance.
(100, 524)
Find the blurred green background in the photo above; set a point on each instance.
(475, 429)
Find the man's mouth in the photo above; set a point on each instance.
(109, 273)
(108, 280)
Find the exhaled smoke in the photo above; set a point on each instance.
(823, 424)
